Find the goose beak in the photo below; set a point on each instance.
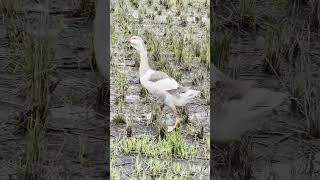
(127, 41)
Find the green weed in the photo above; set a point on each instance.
(272, 52)
(247, 13)
(220, 49)
(314, 16)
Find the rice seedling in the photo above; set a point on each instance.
(297, 91)
(196, 49)
(205, 54)
(311, 109)
(172, 71)
(114, 172)
(205, 3)
(33, 63)
(129, 130)
(159, 12)
(239, 160)
(178, 48)
(183, 111)
(122, 86)
(169, 20)
(166, 3)
(120, 116)
(103, 95)
(187, 63)
(295, 6)
(180, 4)
(143, 92)
(135, 3)
(314, 17)
(82, 154)
(220, 49)
(272, 52)
(205, 94)
(31, 167)
(183, 21)
(235, 71)
(138, 166)
(120, 15)
(247, 13)
(9, 8)
(156, 167)
(197, 19)
(86, 9)
(156, 49)
(189, 3)
(171, 146)
(290, 49)
(197, 77)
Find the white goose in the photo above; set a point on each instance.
(167, 90)
(244, 108)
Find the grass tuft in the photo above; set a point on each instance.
(272, 52)
(220, 49)
(314, 16)
(247, 13)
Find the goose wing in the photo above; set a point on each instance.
(162, 81)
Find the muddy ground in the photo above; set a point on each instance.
(279, 145)
(75, 139)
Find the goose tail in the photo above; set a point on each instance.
(186, 97)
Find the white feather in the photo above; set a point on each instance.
(186, 97)
(166, 84)
(161, 85)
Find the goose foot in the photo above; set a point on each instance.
(176, 125)
(171, 128)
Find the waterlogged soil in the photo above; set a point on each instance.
(281, 147)
(75, 139)
(154, 18)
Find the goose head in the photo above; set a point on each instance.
(137, 43)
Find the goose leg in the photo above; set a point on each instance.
(177, 119)
(149, 115)
(161, 110)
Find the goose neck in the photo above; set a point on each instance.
(144, 65)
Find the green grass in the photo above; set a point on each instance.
(9, 8)
(197, 77)
(86, 9)
(314, 16)
(183, 21)
(114, 172)
(247, 13)
(178, 48)
(120, 115)
(172, 146)
(154, 157)
(166, 3)
(33, 63)
(295, 6)
(220, 49)
(290, 46)
(311, 109)
(297, 86)
(121, 89)
(135, 3)
(272, 52)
